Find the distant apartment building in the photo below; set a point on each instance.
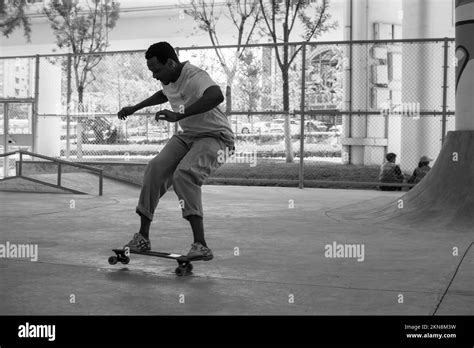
(16, 78)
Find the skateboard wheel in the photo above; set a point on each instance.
(125, 260)
(179, 271)
(189, 267)
(113, 260)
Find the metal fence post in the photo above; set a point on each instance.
(147, 128)
(5, 140)
(68, 108)
(59, 173)
(228, 101)
(176, 124)
(35, 105)
(20, 168)
(445, 90)
(351, 78)
(302, 109)
(101, 183)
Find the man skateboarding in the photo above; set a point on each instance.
(189, 157)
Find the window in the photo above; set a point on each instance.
(17, 92)
(17, 80)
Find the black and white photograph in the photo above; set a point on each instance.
(236, 171)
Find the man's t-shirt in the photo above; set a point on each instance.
(189, 87)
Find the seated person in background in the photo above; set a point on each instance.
(390, 173)
(420, 172)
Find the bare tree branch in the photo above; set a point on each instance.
(239, 12)
(295, 14)
(232, 16)
(271, 27)
(81, 33)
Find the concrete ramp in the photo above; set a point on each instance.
(444, 199)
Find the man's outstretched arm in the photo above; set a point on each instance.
(155, 99)
(211, 98)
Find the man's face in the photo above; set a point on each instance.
(161, 72)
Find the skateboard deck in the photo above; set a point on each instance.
(184, 263)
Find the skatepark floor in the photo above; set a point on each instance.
(270, 257)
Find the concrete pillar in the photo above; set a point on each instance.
(366, 136)
(424, 61)
(425, 19)
(49, 127)
(465, 64)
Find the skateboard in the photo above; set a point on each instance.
(184, 263)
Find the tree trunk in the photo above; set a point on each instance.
(286, 91)
(286, 108)
(80, 125)
(228, 92)
(228, 97)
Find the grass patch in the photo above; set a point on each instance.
(312, 171)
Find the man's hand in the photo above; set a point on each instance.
(168, 115)
(126, 111)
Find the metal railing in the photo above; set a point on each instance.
(59, 162)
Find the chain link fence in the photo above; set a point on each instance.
(331, 115)
(394, 98)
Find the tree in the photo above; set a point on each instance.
(244, 14)
(249, 84)
(287, 12)
(12, 16)
(248, 81)
(83, 31)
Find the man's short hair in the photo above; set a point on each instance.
(162, 51)
(390, 156)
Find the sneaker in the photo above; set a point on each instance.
(199, 251)
(138, 243)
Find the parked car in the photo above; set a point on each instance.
(337, 129)
(262, 127)
(242, 127)
(315, 126)
(278, 126)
